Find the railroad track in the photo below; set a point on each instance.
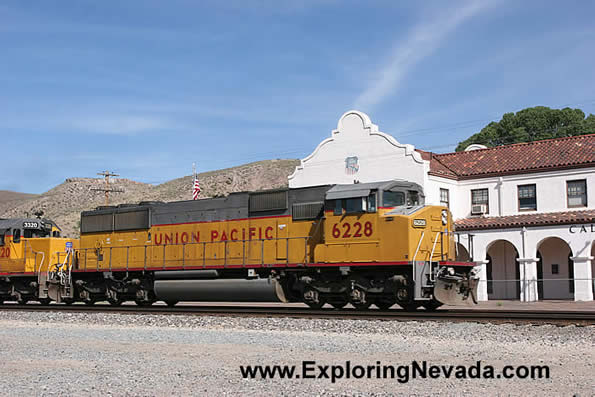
(581, 318)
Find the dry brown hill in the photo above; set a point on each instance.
(65, 202)
(10, 199)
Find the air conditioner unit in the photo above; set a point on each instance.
(479, 209)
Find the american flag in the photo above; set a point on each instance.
(195, 189)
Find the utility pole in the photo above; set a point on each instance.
(107, 189)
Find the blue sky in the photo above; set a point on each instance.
(146, 88)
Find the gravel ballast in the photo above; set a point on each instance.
(45, 353)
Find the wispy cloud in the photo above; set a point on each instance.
(118, 125)
(421, 42)
(90, 123)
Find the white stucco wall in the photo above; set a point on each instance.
(550, 191)
(379, 156)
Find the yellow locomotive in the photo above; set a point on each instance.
(31, 249)
(363, 244)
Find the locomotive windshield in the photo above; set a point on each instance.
(35, 233)
(362, 197)
(393, 199)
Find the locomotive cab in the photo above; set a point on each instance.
(357, 222)
(389, 223)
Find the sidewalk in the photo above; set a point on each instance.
(555, 305)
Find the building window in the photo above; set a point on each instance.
(480, 197)
(444, 197)
(577, 193)
(527, 197)
(555, 268)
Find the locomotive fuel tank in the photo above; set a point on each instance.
(220, 290)
(204, 286)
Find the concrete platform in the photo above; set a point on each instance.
(554, 305)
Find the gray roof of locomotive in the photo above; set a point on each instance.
(233, 206)
(17, 223)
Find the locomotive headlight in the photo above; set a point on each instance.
(451, 271)
(444, 217)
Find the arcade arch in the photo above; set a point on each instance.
(555, 270)
(502, 270)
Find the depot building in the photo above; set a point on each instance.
(524, 212)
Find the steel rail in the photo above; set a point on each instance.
(469, 315)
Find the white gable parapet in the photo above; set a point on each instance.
(358, 151)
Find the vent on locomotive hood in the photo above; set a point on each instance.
(268, 201)
(115, 220)
(307, 211)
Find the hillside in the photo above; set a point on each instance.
(65, 202)
(10, 199)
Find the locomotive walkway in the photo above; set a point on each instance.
(554, 312)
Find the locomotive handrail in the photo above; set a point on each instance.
(35, 267)
(419, 245)
(434, 246)
(183, 259)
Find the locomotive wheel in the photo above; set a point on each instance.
(339, 304)
(90, 302)
(313, 299)
(143, 303)
(171, 303)
(384, 304)
(361, 305)
(431, 305)
(23, 301)
(68, 301)
(315, 305)
(45, 301)
(114, 301)
(410, 306)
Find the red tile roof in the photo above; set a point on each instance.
(550, 154)
(514, 221)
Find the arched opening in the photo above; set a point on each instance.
(503, 271)
(555, 269)
(462, 253)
